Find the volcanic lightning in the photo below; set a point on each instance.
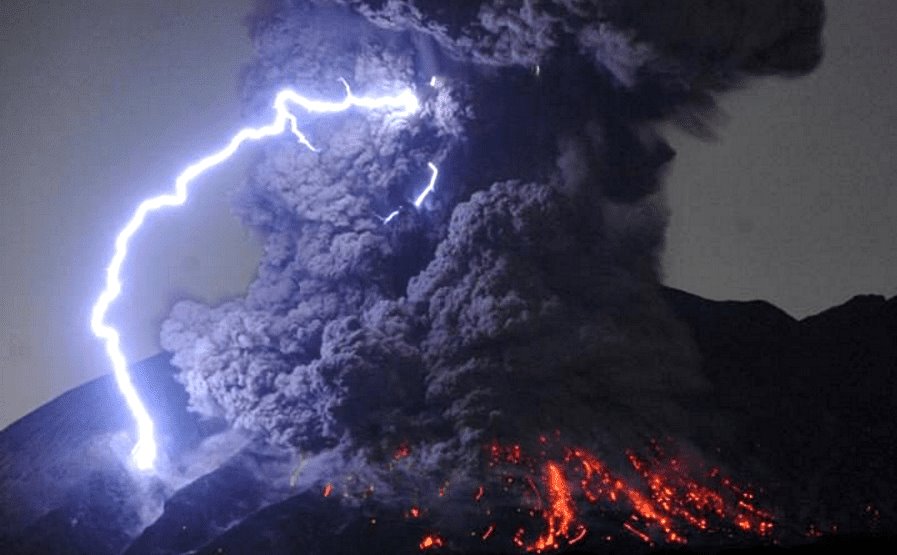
(145, 450)
(434, 175)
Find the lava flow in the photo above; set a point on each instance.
(658, 500)
(554, 496)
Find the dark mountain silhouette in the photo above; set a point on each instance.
(805, 405)
(812, 400)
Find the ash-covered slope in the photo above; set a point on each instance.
(65, 481)
(809, 403)
(805, 404)
(67, 484)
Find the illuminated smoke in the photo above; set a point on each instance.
(434, 175)
(525, 297)
(145, 450)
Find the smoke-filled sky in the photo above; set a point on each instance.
(103, 103)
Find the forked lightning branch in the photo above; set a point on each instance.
(405, 103)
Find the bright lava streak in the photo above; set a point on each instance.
(145, 450)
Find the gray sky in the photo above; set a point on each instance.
(103, 103)
(796, 203)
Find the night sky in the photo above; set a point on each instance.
(103, 104)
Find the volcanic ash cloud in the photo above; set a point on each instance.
(522, 297)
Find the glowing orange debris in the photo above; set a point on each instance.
(328, 489)
(637, 533)
(501, 454)
(402, 451)
(580, 534)
(560, 514)
(431, 541)
(663, 499)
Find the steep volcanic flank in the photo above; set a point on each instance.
(827, 471)
(522, 302)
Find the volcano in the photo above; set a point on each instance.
(496, 368)
(802, 407)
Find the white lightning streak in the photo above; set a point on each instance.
(434, 174)
(430, 186)
(145, 450)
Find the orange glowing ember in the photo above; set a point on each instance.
(431, 541)
(402, 451)
(552, 494)
(561, 511)
(328, 489)
(671, 501)
(658, 500)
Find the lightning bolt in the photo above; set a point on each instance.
(145, 450)
(434, 175)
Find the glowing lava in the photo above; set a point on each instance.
(145, 450)
(431, 541)
(561, 512)
(554, 496)
(658, 500)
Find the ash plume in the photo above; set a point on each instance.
(523, 297)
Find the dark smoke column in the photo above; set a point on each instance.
(524, 297)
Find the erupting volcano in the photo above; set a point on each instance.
(494, 367)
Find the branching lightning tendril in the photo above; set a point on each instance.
(434, 175)
(145, 450)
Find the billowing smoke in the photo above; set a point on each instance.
(522, 298)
